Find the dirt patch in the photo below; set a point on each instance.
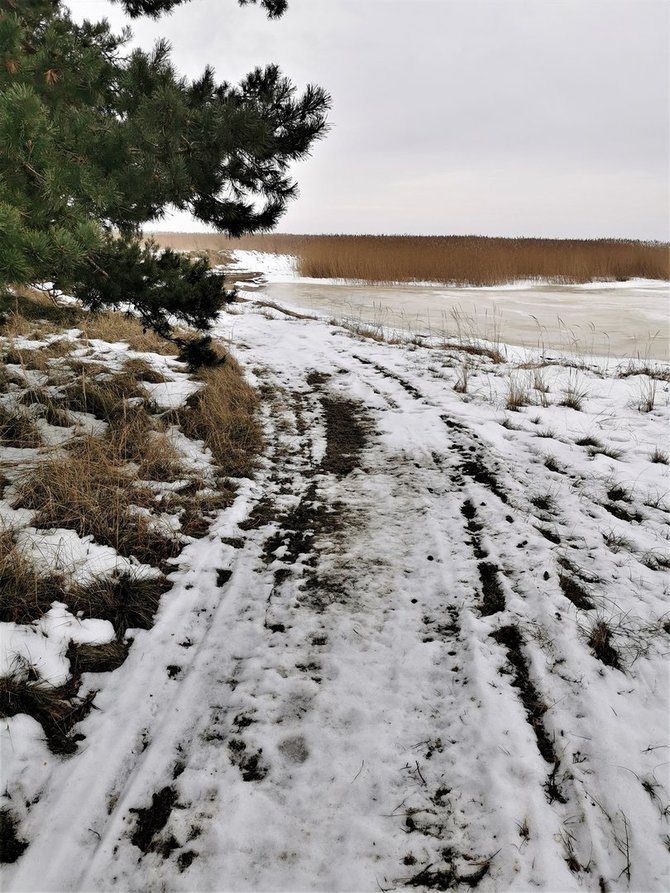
(317, 379)
(575, 592)
(549, 535)
(346, 428)
(222, 576)
(622, 513)
(11, 845)
(510, 638)
(297, 530)
(447, 878)
(476, 469)
(153, 819)
(263, 513)
(185, 859)
(386, 373)
(249, 762)
(492, 592)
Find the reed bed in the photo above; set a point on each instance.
(463, 260)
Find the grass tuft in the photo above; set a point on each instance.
(518, 394)
(85, 658)
(223, 414)
(57, 709)
(25, 595)
(18, 430)
(128, 601)
(600, 640)
(660, 456)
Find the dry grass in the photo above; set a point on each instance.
(659, 456)
(104, 398)
(90, 491)
(27, 359)
(518, 394)
(143, 371)
(18, 430)
(128, 601)
(25, 595)
(224, 415)
(600, 640)
(57, 709)
(475, 260)
(574, 393)
(114, 326)
(27, 311)
(96, 658)
(48, 406)
(159, 459)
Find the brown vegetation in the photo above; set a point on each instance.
(90, 491)
(472, 260)
(223, 415)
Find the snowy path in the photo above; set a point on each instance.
(374, 671)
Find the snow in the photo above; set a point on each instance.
(42, 645)
(63, 551)
(336, 714)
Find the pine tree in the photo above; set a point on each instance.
(96, 141)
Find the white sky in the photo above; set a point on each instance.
(492, 117)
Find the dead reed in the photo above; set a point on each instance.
(472, 260)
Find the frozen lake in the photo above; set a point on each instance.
(619, 319)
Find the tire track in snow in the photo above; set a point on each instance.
(586, 839)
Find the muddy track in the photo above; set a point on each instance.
(385, 546)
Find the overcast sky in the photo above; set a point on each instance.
(492, 117)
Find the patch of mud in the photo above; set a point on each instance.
(510, 638)
(475, 469)
(263, 513)
(222, 576)
(11, 845)
(346, 434)
(575, 592)
(386, 373)
(317, 379)
(448, 878)
(153, 819)
(185, 859)
(298, 528)
(493, 597)
(249, 762)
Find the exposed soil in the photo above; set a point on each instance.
(493, 597)
(11, 845)
(345, 435)
(510, 638)
(575, 592)
(152, 819)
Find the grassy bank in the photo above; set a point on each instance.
(97, 454)
(471, 260)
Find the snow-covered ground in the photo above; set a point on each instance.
(426, 645)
